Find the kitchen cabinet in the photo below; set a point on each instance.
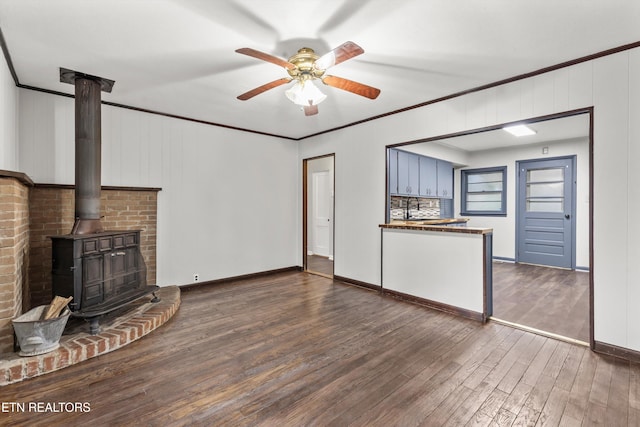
(428, 177)
(414, 175)
(445, 179)
(393, 172)
(408, 174)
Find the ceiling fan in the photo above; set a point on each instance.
(306, 66)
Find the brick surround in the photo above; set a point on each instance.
(14, 253)
(137, 322)
(30, 213)
(51, 209)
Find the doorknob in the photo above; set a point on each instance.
(567, 216)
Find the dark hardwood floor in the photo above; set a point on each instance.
(549, 299)
(296, 349)
(320, 264)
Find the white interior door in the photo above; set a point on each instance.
(322, 213)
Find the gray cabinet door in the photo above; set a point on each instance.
(408, 174)
(393, 172)
(445, 179)
(428, 177)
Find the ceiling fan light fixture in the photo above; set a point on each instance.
(304, 93)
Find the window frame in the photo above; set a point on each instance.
(464, 184)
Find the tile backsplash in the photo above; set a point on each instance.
(419, 208)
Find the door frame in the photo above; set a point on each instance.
(305, 209)
(519, 195)
(558, 115)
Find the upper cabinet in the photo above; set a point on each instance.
(408, 174)
(445, 179)
(419, 176)
(393, 172)
(428, 177)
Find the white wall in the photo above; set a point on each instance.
(441, 281)
(8, 107)
(611, 84)
(229, 203)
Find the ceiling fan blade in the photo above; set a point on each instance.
(340, 54)
(311, 109)
(266, 57)
(351, 86)
(263, 88)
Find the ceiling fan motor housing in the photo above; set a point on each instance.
(304, 62)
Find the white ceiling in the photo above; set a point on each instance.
(178, 57)
(546, 132)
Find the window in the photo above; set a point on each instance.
(484, 191)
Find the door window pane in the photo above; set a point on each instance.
(545, 190)
(543, 175)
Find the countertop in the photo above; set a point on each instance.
(437, 224)
(430, 221)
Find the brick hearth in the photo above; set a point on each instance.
(130, 326)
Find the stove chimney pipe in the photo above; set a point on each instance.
(88, 146)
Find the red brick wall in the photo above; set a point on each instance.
(14, 254)
(52, 208)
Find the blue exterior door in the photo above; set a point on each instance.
(546, 212)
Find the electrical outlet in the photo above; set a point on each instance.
(196, 277)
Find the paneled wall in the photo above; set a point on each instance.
(229, 203)
(610, 84)
(8, 108)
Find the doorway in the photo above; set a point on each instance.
(318, 214)
(547, 288)
(527, 292)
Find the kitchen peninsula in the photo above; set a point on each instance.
(439, 265)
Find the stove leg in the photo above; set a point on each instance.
(155, 298)
(94, 325)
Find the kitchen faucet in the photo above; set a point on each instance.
(407, 212)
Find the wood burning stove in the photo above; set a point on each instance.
(101, 270)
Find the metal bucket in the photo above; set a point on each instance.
(36, 336)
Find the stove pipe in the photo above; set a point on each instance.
(87, 149)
